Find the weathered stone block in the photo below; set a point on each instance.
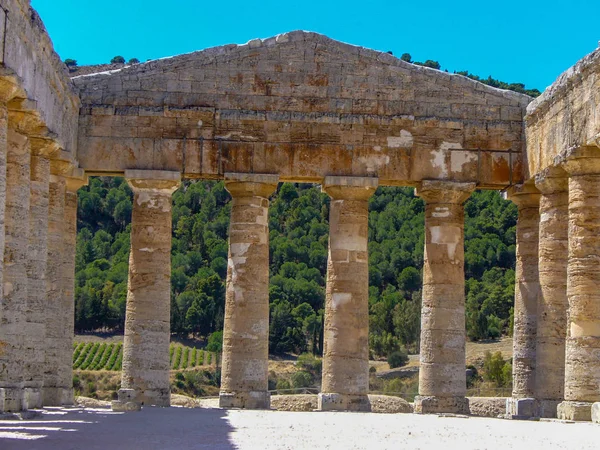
(521, 408)
(245, 400)
(596, 412)
(438, 405)
(578, 411)
(343, 402)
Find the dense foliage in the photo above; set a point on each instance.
(298, 222)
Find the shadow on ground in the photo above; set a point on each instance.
(90, 429)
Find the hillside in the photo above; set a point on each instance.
(298, 223)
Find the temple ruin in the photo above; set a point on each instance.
(298, 107)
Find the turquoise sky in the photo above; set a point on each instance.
(528, 41)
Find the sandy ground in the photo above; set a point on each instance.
(181, 428)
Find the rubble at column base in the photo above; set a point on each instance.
(245, 400)
(436, 405)
(343, 402)
(577, 411)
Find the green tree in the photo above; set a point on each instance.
(117, 60)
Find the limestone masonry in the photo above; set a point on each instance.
(297, 107)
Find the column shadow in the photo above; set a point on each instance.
(91, 429)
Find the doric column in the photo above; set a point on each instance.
(552, 303)
(442, 374)
(13, 305)
(35, 314)
(345, 377)
(527, 288)
(582, 363)
(244, 374)
(73, 182)
(145, 377)
(58, 380)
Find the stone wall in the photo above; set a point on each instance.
(303, 106)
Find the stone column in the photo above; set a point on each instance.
(345, 377)
(527, 289)
(145, 377)
(552, 303)
(73, 182)
(582, 363)
(244, 374)
(35, 314)
(14, 300)
(442, 376)
(55, 388)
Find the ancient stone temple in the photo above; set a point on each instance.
(298, 107)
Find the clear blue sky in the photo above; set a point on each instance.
(529, 41)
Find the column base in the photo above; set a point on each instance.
(343, 402)
(11, 399)
(58, 396)
(596, 412)
(578, 411)
(429, 404)
(520, 408)
(127, 401)
(32, 398)
(245, 400)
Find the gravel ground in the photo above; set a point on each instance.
(201, 428)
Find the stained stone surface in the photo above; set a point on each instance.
(345, 378)
(244, 373)
(527, 291)
(442, 379)
(145, 376)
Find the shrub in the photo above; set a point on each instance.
(302, 379)
(310, 363)
(117, 60)
(398, 358)
(496, 369)
(215, 342)
(372, 369)
(133, 61)
(282, 383)
(70, 62)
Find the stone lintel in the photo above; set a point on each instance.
(351, 188)
(27, 122)
(153, 179)
(523, 195)
(440, 191)
(251, 184)
(582, 161)
(552, 180)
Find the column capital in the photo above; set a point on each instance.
(350, 188)
(582, 161)
(251, 184)
(439, 191)
(524, 195)
(77, 180)
(9, 88)
(44, 147)
(159, 180)
(552, 180)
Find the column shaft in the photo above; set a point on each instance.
(145, 377)
(527, 289)
(54, 390)
(552, 302)
(35, 317)
(582, 364)
(442, 374)
(14, 299)
(244, 375)
(345, 377)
